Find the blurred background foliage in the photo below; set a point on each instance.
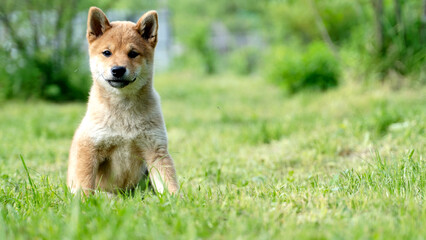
(303, 44)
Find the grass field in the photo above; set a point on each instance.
(252, 163)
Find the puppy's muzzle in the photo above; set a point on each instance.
(118, 81)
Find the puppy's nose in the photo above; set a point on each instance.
(118, 71)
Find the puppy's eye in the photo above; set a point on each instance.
(133, 54)
(106, 53)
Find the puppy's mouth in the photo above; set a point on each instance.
(120, 83)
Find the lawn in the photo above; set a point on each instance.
(253, 163)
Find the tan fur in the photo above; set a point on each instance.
(123, 133)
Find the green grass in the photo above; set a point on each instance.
(253, 164)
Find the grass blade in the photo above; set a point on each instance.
(33, 187)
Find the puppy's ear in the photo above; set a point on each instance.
(147, 26)
(97, 24)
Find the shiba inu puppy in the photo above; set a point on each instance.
(122, 137)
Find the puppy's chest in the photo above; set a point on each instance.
(126, 138)
(123, 139)
(122, 161)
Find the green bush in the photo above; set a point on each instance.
(315, 68)
(244, 60)
(41, 75)
(398, 46)
(199, 41)
(299, 19)
(41, 53)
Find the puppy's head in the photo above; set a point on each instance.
(121, 53)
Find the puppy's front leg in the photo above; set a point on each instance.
(83, 166)
(162, 171)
